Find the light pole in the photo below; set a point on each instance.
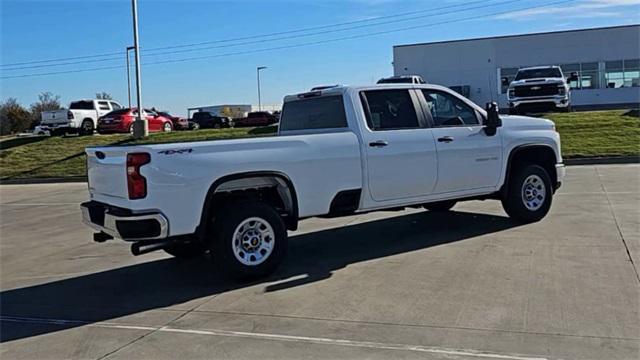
(140, 126)
(129, 76)
(259, 100)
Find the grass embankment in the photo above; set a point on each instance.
(64, 156)
(598, 133)
(584, 134)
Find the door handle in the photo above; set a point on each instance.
(378, 143)
(445, 139)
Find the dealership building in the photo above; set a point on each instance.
(607, 61)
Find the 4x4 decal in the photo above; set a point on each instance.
(179, 151)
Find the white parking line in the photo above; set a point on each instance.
(278, 337)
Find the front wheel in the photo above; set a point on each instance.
(249, 240)
(528, 198)
(167, 127)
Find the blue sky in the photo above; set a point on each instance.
(42, 30)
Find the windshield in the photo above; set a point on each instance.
(81, 105)
(538, 73)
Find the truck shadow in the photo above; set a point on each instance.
(313, 257)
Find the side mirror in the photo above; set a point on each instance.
(573, 76)
(505, 81)
(493, 121)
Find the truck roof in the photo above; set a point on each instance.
(540, 67)
(343, 89)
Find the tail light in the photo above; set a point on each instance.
(136, 183)
(69, 115)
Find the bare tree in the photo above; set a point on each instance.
(46, 101)
(13, 117)
(104, 96)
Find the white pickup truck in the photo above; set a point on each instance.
(540, 88)
(338, 151)
(82, 116)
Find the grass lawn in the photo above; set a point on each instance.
(598, 133)
(584, 134)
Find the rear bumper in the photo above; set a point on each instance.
(123, 223)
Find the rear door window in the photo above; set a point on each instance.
(323, 112)
(390, 109)
(103, 105)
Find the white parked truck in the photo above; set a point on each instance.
(338, 151)
(540, 88)
(81, 117)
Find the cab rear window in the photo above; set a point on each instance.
(81, 105)
(324, 112)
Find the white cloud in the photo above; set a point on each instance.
(583, 9)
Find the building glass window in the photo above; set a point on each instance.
(632, 73)
(567, 69)
(614, 74)
(506, 77)
(589, 76)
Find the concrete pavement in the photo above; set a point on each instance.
(469, 284)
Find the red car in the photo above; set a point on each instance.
(179, 123)
(257, 118)
(121, 121)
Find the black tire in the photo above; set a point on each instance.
(186, 250)
(86, 128)
(515, 201)
(514, 111)
(440, 206)
(223, 252)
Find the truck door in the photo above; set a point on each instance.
(467, 157)
(401, 152)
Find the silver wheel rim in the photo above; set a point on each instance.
(533, 192)
(253, 241)
(167, 127)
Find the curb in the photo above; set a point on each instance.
(569, 162)
(602, 160)
(52, 180)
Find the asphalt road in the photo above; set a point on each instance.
(469, 284)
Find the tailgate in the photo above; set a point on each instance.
(106, 170)
(54, 117)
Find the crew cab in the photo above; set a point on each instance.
(81, 117)
(539, 88)
(338, 151)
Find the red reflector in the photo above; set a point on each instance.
(136, 183)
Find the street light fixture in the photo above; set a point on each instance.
(259, 100)
(129, 75)
(140, 125)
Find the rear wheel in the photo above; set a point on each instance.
(87, 127)
(440, 205)
(186, 250)
(529, 194)
(249, 240)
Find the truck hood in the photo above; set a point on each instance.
(537, 81)
(526, 123)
